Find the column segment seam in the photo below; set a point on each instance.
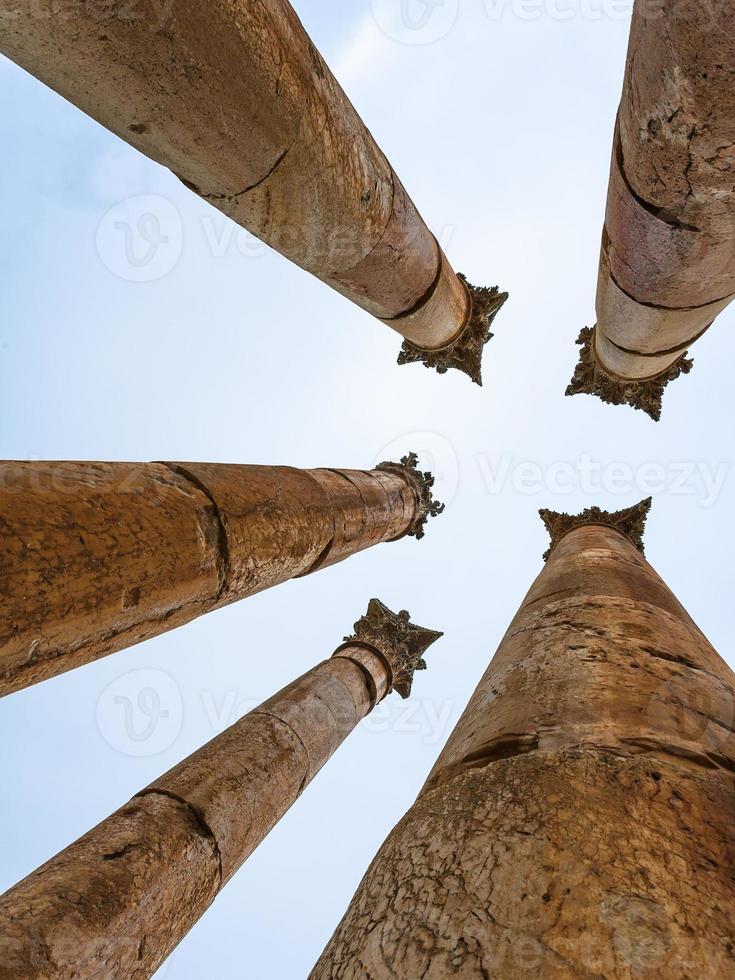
(223, 546)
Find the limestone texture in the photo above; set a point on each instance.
(578, 822)
(99, 556)
(117, 902)
(666, 262)
(235, 99)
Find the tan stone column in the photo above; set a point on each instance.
(116, 903)
(233, 96)
(579, 822)
(667, 265)
(98, 556)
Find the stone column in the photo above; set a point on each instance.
(579, 822)
(117, 902)
(236, 100)
(99, 556)
(667, 265)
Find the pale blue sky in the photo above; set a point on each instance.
(500, 129)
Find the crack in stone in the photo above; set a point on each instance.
(202, 825)
(223, 546)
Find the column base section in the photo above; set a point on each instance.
(548, 866)
(465, 352)
(645, 394)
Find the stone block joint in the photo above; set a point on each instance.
(423, 483)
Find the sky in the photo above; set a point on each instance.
(497, 115)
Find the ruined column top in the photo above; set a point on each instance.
(465, 352)
(422, 483)
(631, 523)
(590, 378)
(399, 643)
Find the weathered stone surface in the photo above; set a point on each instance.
(327, 203)
(401, 270)
(215, 92)
(441, 317)
(377, 667)
(649, 335)
(666, 264)
(375, 509)
(99, 556)
(242, 782)
(118, 901)
(677, 116)
(235, 99)
(600, 653)
(96, 557)
(580, 864)
(630, 365)
(578, 822)
(663, 262)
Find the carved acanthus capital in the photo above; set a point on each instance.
(397, 640)
(465, 353)
(422, 482)
(630, 522)
(591, 379)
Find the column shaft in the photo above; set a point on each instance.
(666, 264)
(579, 821)
(237, 101)
(117, 902)
(99, 556)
